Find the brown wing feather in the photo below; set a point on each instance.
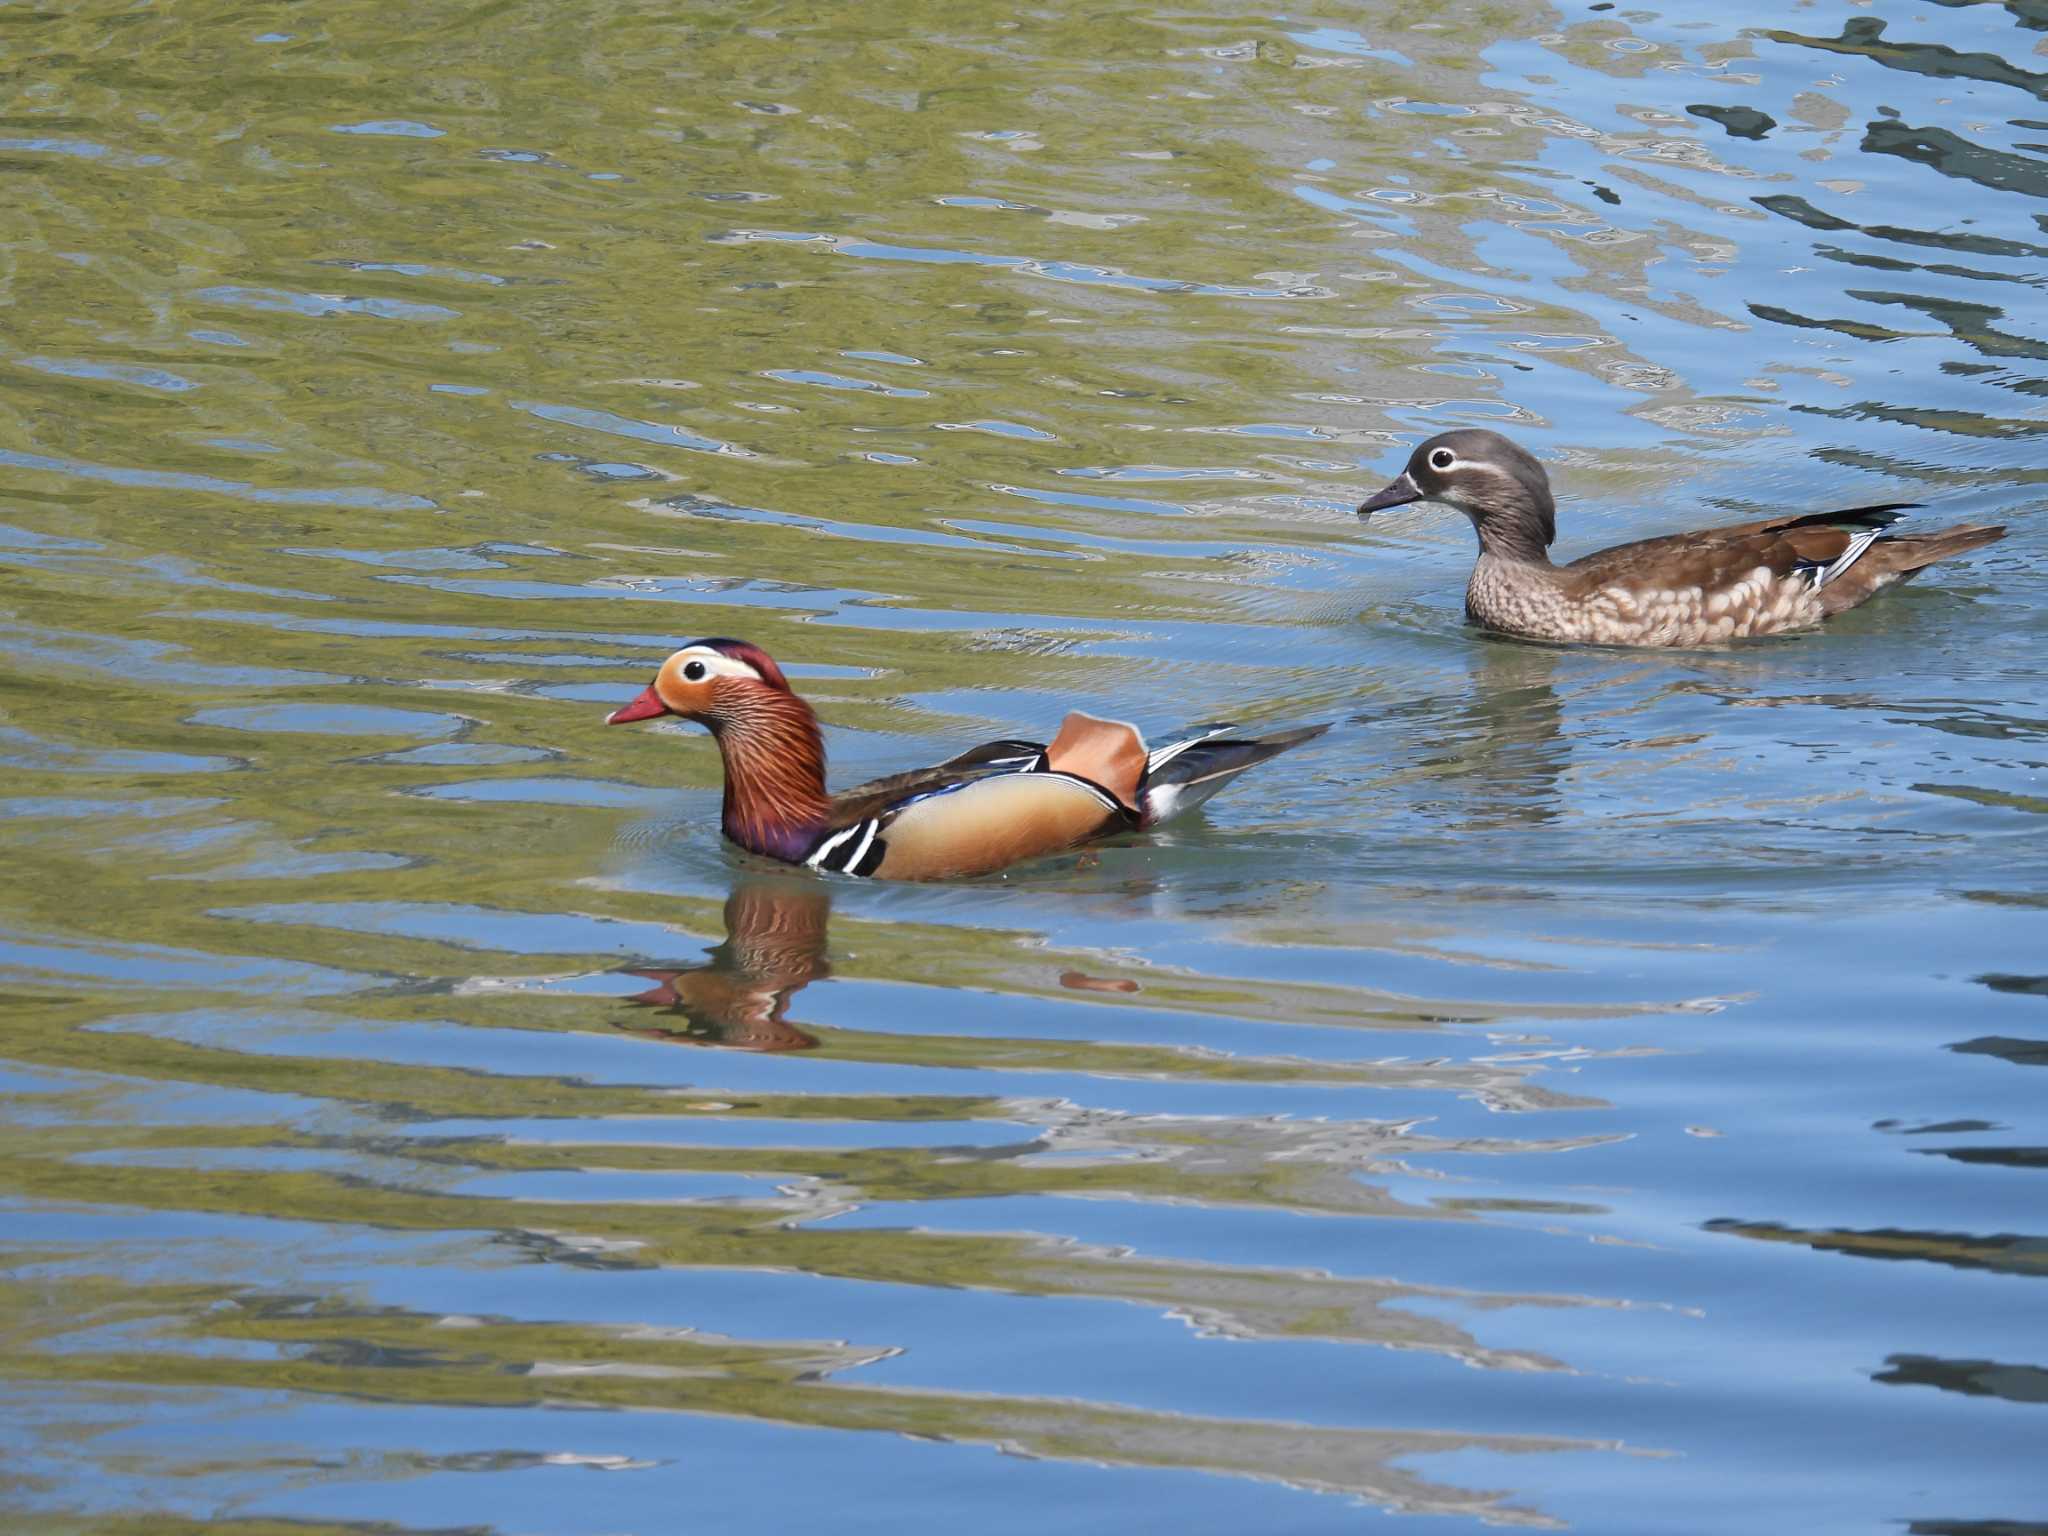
(1681, 561)
(1713, 558)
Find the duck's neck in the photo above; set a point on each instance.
(1519, 540)
(775, 800)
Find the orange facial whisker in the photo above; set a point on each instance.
(775, 800)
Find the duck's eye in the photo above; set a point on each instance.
(1443, 458)
(694, 672)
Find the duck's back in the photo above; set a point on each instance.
(1711, 558)
(1747, 579)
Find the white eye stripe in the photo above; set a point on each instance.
(713, 664)
(1442, 459)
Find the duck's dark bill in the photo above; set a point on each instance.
(1400, 493)
(646, 707)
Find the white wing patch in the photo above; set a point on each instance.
(1823, 574)
(1162, 803)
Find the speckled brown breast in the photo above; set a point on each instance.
(1519, 600)
(1538, 602)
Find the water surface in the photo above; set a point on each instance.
(1583, 1090)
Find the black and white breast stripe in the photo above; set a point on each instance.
(854, 850)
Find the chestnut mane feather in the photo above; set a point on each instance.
(775, 798)
(753, 656)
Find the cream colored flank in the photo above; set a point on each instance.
(981, 828)
(1530, 600)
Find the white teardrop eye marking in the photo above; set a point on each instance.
(699, 664)
(1442, 459)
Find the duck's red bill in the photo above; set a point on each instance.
(646, 707)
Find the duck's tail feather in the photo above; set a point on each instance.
(1910, 551)
(1182, 774)
(1897, 556)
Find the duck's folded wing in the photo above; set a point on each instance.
(1182, 775)
(877, 795)
(1778, 542)
(1711, 560)
(1878, 517)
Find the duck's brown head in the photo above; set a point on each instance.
(1496, 483)
(775, 800)
(709, 681)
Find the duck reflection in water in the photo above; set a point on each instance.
(1497, 736)
(774, 947)
(1514, 751)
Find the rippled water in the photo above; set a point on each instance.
(1584, 1089)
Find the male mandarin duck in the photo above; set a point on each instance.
(775, 929)
(1685, 589)
(988, 808)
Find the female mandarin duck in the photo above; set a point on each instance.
(1699, 588)
(973, 814)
